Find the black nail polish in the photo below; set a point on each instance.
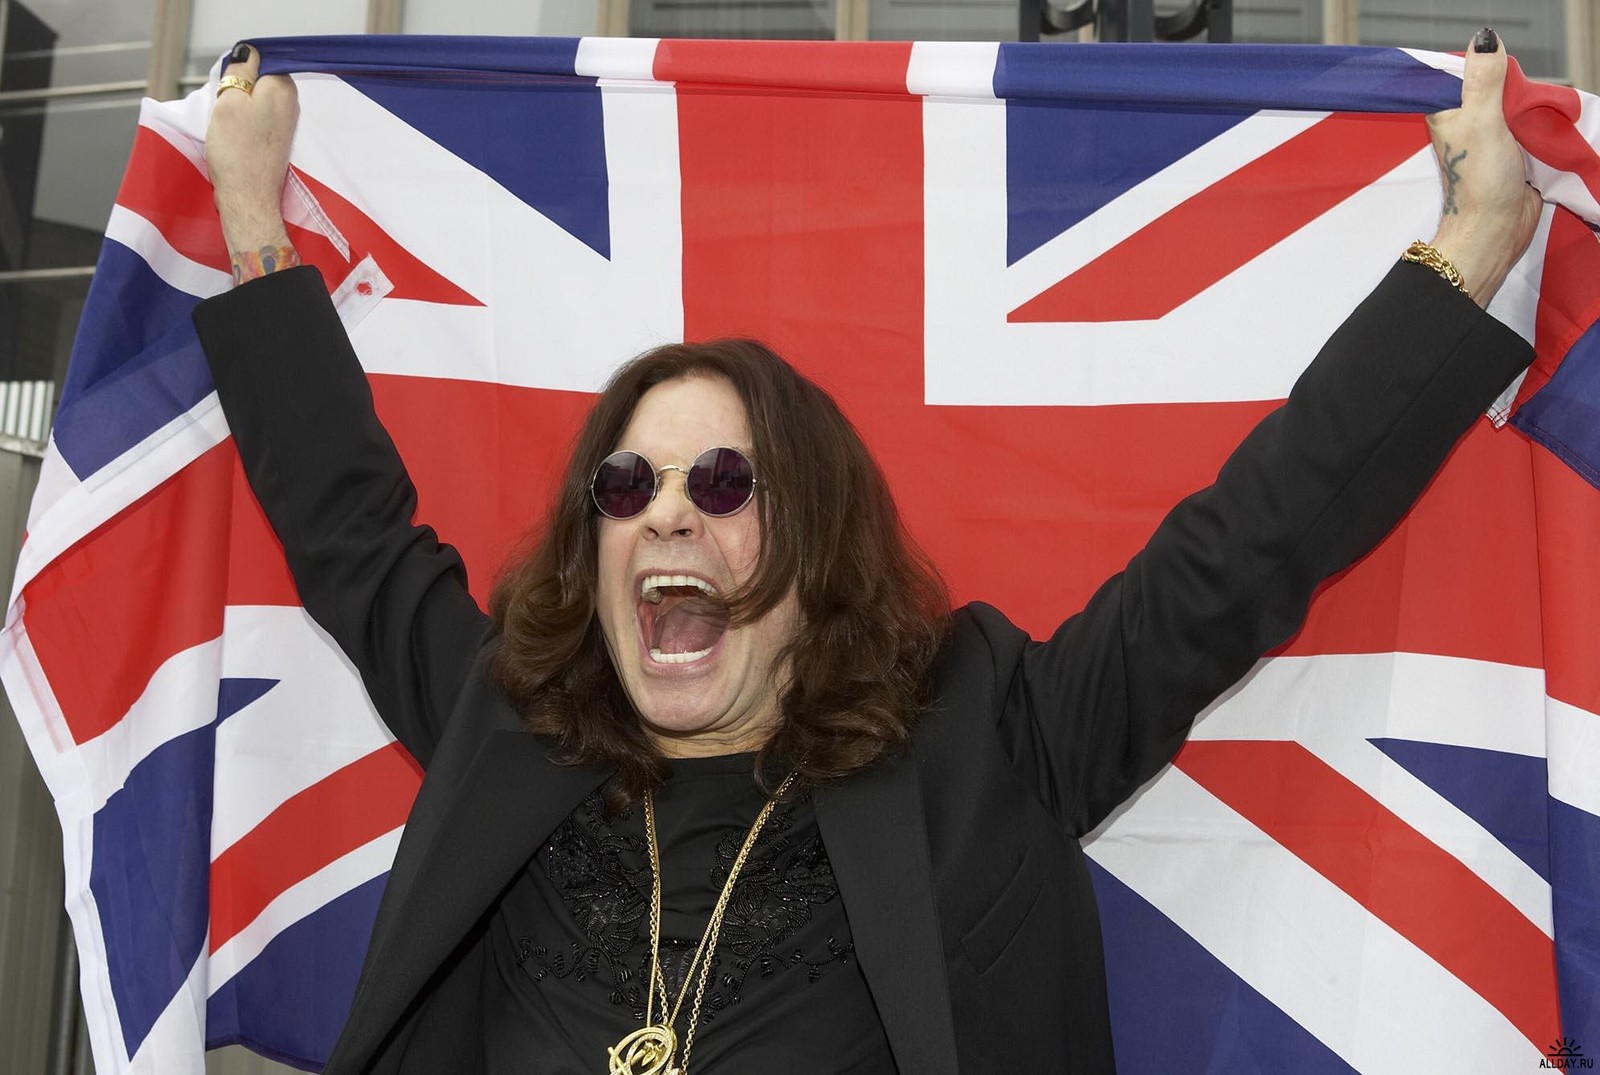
(241, 53)
(1486, 41)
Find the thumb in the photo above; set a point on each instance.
(1483, 82)
(243, 61)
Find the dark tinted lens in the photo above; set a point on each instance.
(721, 481)
(624, 484)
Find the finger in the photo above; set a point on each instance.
(244, 61)
(1484, 79)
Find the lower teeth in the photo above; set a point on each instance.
(678, 658)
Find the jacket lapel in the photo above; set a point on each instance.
(877, 841)
(512, 797)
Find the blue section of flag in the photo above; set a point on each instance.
(1173, 1002)
(268, 1005)
(1223, 77)
(1064, 162)
(136, 364)
(1564, 415)
(471, 95)
(1575, 903)
(1503, 792)
(150, 876)
(234, 694)
(547, 148)
(354, 54)
(150, 870)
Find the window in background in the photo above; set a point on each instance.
(214, 25)
(72, 74)
(553, 18)
(1258, 21)
(787, 19)
(1535, 30)
(945, 20)
(1277, 22)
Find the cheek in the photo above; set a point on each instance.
(739, 541)
(612, 567)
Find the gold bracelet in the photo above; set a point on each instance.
(249, 264)
(1421, 253)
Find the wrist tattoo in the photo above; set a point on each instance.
(1451, 178)
(249, 264)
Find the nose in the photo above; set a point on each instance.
(671, 512)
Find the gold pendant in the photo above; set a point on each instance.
(647, 1051)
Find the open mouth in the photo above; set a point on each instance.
(680, 618)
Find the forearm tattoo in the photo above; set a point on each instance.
(1451, 178)
(249, 264)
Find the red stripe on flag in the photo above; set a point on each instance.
(830, 274)
(1566, 298)
(343, 811)
(1569, 300)
(844, 67)
(148, 584)
(103, 616)
(164, 187)
(411, 277)
(1544, 119)
(1231, 222)
(257, 571)
(1404, 879)
(1455, 577)
(491, 481)
(1569, 578)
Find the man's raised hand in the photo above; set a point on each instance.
(247, 153)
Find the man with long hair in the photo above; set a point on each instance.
(720, 779)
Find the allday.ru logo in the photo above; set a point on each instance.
(1565, 1055)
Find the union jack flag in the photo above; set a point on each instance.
(1053, 286)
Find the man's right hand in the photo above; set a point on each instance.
(247, 152)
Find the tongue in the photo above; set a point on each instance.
(688, 627)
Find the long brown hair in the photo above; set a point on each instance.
(873, 609)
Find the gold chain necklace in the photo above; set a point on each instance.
(648, 1050)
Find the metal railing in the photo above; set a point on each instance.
(26, 410)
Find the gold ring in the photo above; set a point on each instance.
(235, 82)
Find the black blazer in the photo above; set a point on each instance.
(958, 863)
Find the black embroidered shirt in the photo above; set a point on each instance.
(570, 939)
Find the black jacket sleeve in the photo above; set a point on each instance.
(1096, 710)
(336, 492)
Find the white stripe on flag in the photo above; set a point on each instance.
(84, 507)
(1574, 755)
(1516, 305)
(952, 69)
(1303, 943)
(182, 124)
(56, 480)
(180, 697)
(1177, 359)
(314, 722)
(176, 1042)
(559, 315)
(299, 900)
(1334, 703)
(1566, 187)
(347, 141)
(632, 58)
(145, 239)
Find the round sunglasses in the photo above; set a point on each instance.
(719, 482)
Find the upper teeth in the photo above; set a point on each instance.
(650, 589)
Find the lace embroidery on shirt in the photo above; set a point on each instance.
(587, 861)
(772, 899)
(607, 899)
